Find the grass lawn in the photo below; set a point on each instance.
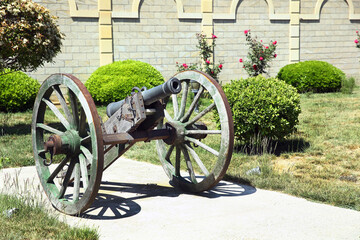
(319, 162)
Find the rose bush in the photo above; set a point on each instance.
(206, 51)
(29, 35)
(259, 55)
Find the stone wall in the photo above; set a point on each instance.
(162, 32)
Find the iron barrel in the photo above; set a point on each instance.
(172, 86)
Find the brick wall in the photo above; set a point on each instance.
(162, 32)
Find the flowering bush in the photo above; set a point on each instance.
(259, 55)
(29, 35)
(206, 51)
(357, 40)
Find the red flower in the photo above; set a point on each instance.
(185, 65)
(266, 47)
(246, 31)
(275, 42)
(261, 58)
(356, 41)
(213, 36)
(207, 61)
(275, 55)
(254, 67)
(240, 60)
(220, 66)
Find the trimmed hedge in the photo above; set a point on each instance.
(262, 108)
(17, 91)
(113, 82)
(312, 76)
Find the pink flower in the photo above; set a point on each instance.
(275, 42)
(275, 55)
(185, 65)
(266, 47)
(240, 60)
(261, 58)
(356, 41)
(246, 31)
(220, 66)
(207, 61)
(213, 36)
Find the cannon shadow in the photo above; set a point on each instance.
(117, 200)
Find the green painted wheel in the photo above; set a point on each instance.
(70, 135)
(198, 154)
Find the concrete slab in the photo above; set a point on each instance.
(136, 202)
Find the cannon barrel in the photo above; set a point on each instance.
(173, 86)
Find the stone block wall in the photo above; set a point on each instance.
(163, 32)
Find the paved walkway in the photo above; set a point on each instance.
(136, 202)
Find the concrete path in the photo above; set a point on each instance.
(136, 202)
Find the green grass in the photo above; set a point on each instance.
(31, 221)
(319, 162)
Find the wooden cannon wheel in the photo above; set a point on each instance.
(71, 135)
(198, 155)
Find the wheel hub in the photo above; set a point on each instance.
(70, 141)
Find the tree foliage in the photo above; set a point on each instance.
(29, 36)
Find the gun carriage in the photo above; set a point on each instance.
(194, 151)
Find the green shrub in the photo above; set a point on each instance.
(347, 85)
(312, 76)
(17, 91)
(113, 82)
(262, 108)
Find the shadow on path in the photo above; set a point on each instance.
(109, 205)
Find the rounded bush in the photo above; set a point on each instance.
(312, 76)
(262, 108)
(17, 91)
(113, 82)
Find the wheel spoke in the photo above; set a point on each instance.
(167, 116)
(82, 123)
(49, 129)
(57, 170)
(66, 179)
(76, 182)
(197, 159)
(63, 104)
(183, 100)
(177, 161)
(74, 107)
(87, 153)
(202, 145)
(86, 139)
(175, 105)
(191, 132)
(57, 113)
(84, 171)
(193, 105)
(168, 154)
(200, 115)
(189, 165)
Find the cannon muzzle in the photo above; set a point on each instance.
(173, 86)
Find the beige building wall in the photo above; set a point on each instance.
(162, 32)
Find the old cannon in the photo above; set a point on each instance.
(194, 149)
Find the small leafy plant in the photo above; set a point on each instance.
(259, 55)
(206, 51)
